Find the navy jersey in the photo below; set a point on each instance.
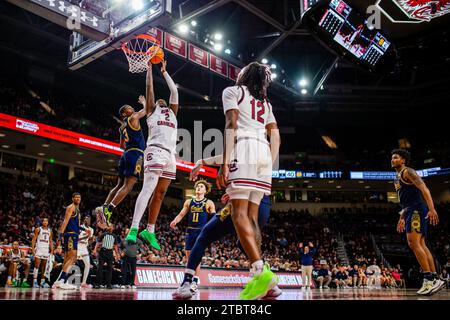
(198, 215)
(73, 226)
(133, 137)
(408, 193)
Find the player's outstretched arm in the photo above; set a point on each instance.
(173, 100)
(150, 92)
(412, 176)
(212, 161)
(181, 215)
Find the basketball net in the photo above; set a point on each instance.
(139, 51)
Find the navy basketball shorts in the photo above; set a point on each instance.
(415, 219)
(130, 163)
(70, 241)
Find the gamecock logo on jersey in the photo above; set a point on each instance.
(424, 10)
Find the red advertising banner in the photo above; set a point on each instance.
(218, 65)
(5, 248)
(175, 45)
(233, 72)
(156, 33)
(81, 140)
(150, 276)
(198, 56)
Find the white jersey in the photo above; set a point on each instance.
(162, 129)
(83, 243)
(254, 114)
(43, 239)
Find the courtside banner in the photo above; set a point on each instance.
(150, 276)
(81, 140)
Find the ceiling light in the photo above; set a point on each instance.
(137, 4)
(5, 146)
(273, 66)
(79, 162)
(2, 135)
(41, 154)
(304, 91)
(80, 153)
(193, 23)
(218, 36)
(183, 28)
(303, 83)
(218, 47)
(110, 160)
(46, 145)
(265, 61)
(273, 76)
(227, 51)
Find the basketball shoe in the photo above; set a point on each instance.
(132, 235)
(259, 285)
(183, 292)
(150, 238)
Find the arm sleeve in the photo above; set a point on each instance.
(173, 88)
(230, 99)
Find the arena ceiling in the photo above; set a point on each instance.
(420, 58)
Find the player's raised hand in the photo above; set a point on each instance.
(163, 66)
(142, 100)
(401, 225)
(195, 171)
(173, 224)
(433, 217)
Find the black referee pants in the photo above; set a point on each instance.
(128, 270)
(105, 256)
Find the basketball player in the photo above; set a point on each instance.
(86, 235)
(247, 170)
(159, 160)
(133, 143)
(16, 258)
(70, 228)
(417, 210)
(218, 227)
(199, 209)
(42, 247)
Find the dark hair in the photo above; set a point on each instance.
(256, 77)
(402, 153)
(76, 194)
(122, 109)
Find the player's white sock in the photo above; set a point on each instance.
(257, 267)
(9, 278)
(87, 266)
(150, 182)
(35, 273)
(151, 228)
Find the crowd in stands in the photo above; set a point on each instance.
(25, 201)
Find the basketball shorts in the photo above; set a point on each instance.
(191, 237)
(250, 167)
(82, 251)
(42, 253)
(130, 163)
(415, 219)
(160, 160)
(70, 242)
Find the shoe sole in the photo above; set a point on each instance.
(180, 297)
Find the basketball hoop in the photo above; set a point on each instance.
(139, 51)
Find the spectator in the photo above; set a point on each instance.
(306, 258)
(324, 276)
(130, 251)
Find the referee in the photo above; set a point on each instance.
(107, 242)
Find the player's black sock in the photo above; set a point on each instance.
(111, 207)
(195, 279)
(187, 278)
(63, 277)
(428, 276)
(435, 275)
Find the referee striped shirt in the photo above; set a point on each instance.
(108, 240)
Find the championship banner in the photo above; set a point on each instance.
(233, 72)
(218, 65)
(81, 140)
(198, 56)
(151, 276)
(157, 34)
(175, 45)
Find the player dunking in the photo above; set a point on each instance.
(42, 247)
(199, 209)
(130, 164)
(70, 228)
(247, 168)
(414, 218)
(159, 160)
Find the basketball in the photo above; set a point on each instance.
(158, 57)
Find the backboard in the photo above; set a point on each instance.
(128, 18)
